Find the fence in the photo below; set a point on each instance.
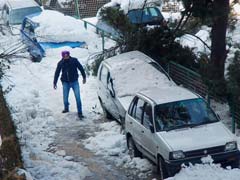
(76, 8)
(188, 78)
(193, 81)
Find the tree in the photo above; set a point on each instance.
(217, 11)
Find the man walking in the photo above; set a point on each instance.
(69, 67)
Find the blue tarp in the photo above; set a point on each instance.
(47, 45)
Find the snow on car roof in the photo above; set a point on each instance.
(131, 73)
(18, 4)
(127, 5)
(168, 94)
(56, 27)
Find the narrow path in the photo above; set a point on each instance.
(69, 140)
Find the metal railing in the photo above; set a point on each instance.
(76, 8)
(187, 78)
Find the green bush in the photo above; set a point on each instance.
(233, 77)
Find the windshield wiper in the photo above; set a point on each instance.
(181, 126)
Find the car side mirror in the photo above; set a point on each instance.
(151, 128)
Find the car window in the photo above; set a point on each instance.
(147, 116)
(139, 110)
(104, 75)
(154, 12)
(17, 15)
(147, 15)
(132, 107)
(184, 113)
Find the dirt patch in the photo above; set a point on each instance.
(10, 154)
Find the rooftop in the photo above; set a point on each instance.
(168, 94)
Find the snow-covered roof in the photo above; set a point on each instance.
(168, 94)
(18, 4)
(56, 27)
(131, 73)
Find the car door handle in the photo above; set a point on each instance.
(130, 122)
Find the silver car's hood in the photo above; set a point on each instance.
(199, 137)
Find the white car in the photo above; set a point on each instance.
(14, 11)
(122, 76)
(173, 126)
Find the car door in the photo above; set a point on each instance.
(106, 91)
(137, 115)
(148, 131)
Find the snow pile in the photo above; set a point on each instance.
(107, 143)
(56, 27)
(193, 42)
(236, 9)
(127, 5)
(131, 73)
(110, 143)
(206, 171)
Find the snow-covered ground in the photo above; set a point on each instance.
(36, 111)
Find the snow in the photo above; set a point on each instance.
(56, 27)
(36, 111)
(207, 171)
(1, 4)
(194, 43)
(130, 70)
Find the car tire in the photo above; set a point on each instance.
(162, 170)
(105, 111)
(132, 149)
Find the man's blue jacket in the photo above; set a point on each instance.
(69, 69)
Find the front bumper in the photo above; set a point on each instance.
(225, 159)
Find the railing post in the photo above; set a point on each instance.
(168, 68)
(85, 24)
(233, 116)
(77, 9)
(103, 41)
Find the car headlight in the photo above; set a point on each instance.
(177, 155)
(230, 146)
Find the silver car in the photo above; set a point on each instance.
(122, 76)
(173, 126)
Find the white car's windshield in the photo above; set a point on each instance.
(187, 113)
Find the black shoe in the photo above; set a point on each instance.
(65, 111)
(80, 116)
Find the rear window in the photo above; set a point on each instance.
(17, 15)
(147, 15)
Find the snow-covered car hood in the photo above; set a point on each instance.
(198, 137)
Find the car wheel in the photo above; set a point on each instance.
(132, 149)
(105, 111)
(162, 168)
